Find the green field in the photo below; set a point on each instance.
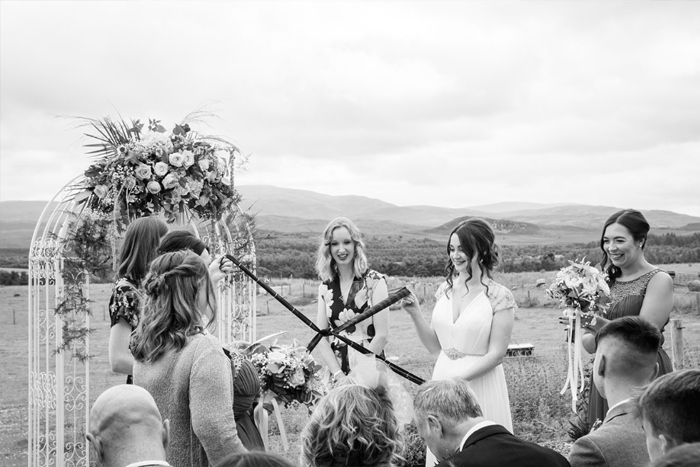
(540, 413)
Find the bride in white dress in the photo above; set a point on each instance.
(472, 321)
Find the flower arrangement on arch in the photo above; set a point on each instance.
(143, 171)
(287, 373)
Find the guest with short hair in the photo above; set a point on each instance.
(685, 455)
(351, 426)
(254, 459)
(126, 428)
(450, 420)
(670, 411)
(184, 368)
(625, 361)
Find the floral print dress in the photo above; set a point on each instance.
(340, 310)
(125, 303)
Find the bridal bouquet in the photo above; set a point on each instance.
(141, 171)
(582, 290)
(287, 373)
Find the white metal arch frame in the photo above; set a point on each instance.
(58, 384)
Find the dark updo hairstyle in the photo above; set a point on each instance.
(181, 240)
(638, 227)
(476, 237)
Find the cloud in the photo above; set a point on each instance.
(444, 103)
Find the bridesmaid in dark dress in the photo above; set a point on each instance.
(246, 388)
(637, 289)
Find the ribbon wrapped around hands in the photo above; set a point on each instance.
(321, 333)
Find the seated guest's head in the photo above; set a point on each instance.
(126, 427)
(254, 459)
(625, 358)
(445, 412)
(352, 426)
(685, 455)
(670, 411)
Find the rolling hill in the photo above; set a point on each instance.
(289, 211)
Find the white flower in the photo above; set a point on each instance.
(188, 158)
(204, 164)
(170, 181)
(101, 191)
(143, 171)
(226, 181)
(161, 168)
(153, 187)
(176, 159)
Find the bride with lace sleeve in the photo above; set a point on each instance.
(472, 321)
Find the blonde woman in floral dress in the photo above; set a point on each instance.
(349, 287)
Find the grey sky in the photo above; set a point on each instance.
(444, 103)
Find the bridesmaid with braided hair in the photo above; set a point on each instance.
(183, 367)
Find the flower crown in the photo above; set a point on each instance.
(140, 173)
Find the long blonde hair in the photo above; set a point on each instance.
(170, 314)
(325, 264)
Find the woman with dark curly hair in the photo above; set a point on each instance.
(472, 321)
(352, 426)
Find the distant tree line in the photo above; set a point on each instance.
(398, 256)
(295, 255)
(13, 278)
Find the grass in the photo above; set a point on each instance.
(540, 413)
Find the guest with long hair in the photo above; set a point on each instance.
(472, 321)
(348, 288)
(184, 368)
(138, 250)
(352, 425)
(637, 288)
(246, 384)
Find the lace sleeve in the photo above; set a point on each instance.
(502, 299)
(441, 291)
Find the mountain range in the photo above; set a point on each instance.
(291, 211)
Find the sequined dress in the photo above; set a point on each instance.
(626, 299)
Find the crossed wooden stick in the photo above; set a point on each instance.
(321, 333)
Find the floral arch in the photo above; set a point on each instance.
(184, 177)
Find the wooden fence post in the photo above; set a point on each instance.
(677, 343)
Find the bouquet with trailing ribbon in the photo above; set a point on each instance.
(582, 291)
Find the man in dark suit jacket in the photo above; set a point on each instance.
(450, 421)
(625, 361)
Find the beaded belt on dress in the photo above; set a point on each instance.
(454, 354)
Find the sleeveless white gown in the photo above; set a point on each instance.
(470, 335)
